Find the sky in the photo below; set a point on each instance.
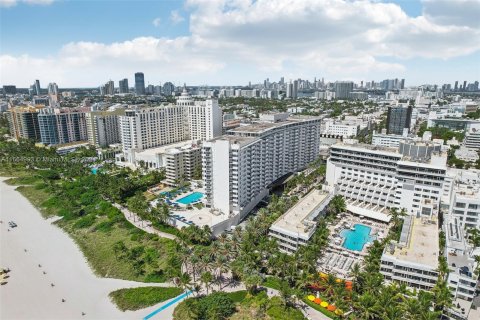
(84, 43)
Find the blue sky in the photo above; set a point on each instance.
(86, 43)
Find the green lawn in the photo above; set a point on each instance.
(139, 298)
(237, 296)
(272, 282)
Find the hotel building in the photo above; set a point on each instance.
(238, 168)
(373, 179)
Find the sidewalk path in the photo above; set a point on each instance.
(142, 224)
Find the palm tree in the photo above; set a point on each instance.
(206, 279)
(337, 205)
(184, 281)
(367, 307)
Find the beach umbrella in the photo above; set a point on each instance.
(324, 304)
(348, 283)
(331, 308)
(311, 298)
(323, 275)
(338, 312)
(338, 280)
(318, 301)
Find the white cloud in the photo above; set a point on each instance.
(239, 40)
(156, 22)
(175, 17)
(11, 3)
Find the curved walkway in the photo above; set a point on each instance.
(142, 224)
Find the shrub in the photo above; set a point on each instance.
(84, 222)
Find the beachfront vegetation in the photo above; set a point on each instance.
(236, 306)
(63, 186)
(142, 297)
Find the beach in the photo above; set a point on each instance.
(40, 254)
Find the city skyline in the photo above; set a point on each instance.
(210, 42)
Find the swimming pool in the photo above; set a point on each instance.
(192, 197)
(356, 239)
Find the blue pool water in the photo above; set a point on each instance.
(356, 239)
(168, 304)
(192, 197)
(94, 170)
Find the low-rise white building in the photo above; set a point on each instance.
(296, 226)
(341, 128)
(466, 154)
(413, 260)
(387, 140)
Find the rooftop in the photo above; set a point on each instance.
(167, 148)
(298, 219)
(260, 127)
(418, 243)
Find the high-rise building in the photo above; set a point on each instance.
(23, 122)
(465, 85)
(456, 85)
(289, 90)
(143, 128)
(204, 117)
(37, 87)
(398, 118)
(168, 89)
(123, 86)
(139, 84)
(402, 84)
(295, 89)
(373, 179)
(60, 126)
(110, 88)
(343, 89)
(103, 127)
(9, 89)
(53, 88)
(239, 167)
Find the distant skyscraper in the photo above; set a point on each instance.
(343, 89)
(402, 84)
(465, 85)
(52, 88)
(398, 118)
(456, 86)
(295, 89)
(139, 84)
(290, 90)
(37, 87)
(168, 88)
(123, 86)
(110, 88)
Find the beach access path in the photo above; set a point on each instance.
(38, 254)
(142, 224)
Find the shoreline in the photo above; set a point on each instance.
(51, 256)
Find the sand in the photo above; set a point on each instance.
(29, 294)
